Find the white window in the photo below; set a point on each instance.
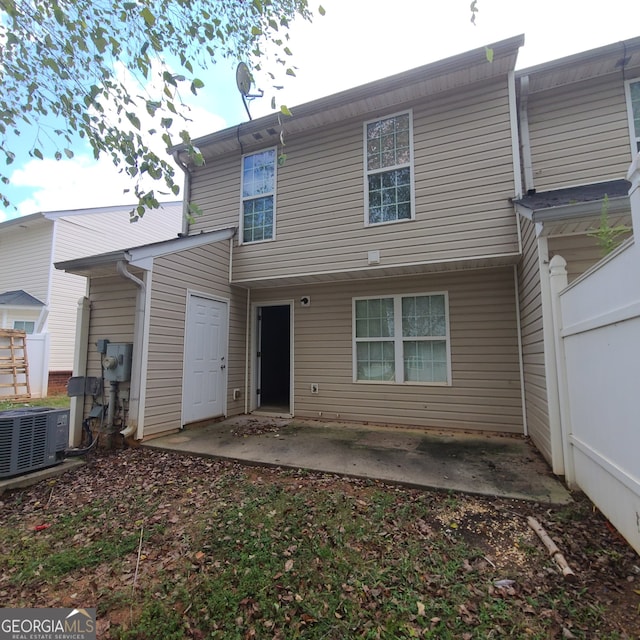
(258, 196)
(24, 325)
(402, 339)
(633, 106)
(389, 169)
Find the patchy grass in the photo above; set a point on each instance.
(56, 402)
(173, 547)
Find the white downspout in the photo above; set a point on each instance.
(81, 350)
(136, 364)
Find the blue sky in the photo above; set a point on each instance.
(355, 42)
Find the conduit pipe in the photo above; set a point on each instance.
(136, 364)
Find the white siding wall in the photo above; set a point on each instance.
(485, 393)
(25, 258)
(463, 179)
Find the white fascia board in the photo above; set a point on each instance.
(143, 256)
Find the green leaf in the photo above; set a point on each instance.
(290, 72)
(489, 53)
(69, 153)
(133, 119)
(58, 14)
(273, 102)
(148, 17)
(285, 111)
(256, 31)
(321, 10)
(38, 154)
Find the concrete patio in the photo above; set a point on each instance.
(492, 465)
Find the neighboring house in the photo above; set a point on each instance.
(579, 123)
(377, 273)
(41, 300)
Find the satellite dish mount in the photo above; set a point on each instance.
(244, 80)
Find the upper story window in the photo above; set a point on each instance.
(402, 339)
(633, 104)
(258, 196)
(389, 169)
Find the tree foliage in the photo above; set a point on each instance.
(62, 62)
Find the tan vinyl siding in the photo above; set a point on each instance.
(112, 316)
(25, 258)
(535, 383)
(204, 270)
(485, 393)
(463, 179)
(580, 133)
(580, 251)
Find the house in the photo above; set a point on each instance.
(43, 301)
(370, 275)
(384, 266)
(579, 121)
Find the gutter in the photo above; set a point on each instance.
(136, 364)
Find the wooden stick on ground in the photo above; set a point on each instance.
(552, 548)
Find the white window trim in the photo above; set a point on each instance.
(408, 112)
(634, 137)
(398, 339)
(273, 193)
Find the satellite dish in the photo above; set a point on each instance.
(243, 79)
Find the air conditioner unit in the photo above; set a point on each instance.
(32, 438)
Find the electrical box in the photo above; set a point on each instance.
(117, 362)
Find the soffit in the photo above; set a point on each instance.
(391, 271)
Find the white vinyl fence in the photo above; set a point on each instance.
(597, 321)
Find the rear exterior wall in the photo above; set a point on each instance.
(580, 133)
(203, 270)
(485, 391)
(463, 170)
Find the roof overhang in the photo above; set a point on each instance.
(577, 209)
(444, 75)
(613, 58)
(382, 271)
(141, 257)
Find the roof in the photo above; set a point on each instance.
(575, 209)
(142, 255)
(612, 58)
(444, 75)
(19, 298)
(573, 195)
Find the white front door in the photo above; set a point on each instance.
(205, 366)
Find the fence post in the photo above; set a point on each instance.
(558, 281)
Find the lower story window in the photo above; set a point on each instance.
(402, 339)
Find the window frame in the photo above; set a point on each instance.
(634, 136)
(272, 194)
(24, 327)
(398, 339)
(368, 172)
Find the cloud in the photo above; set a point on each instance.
(83, 182)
